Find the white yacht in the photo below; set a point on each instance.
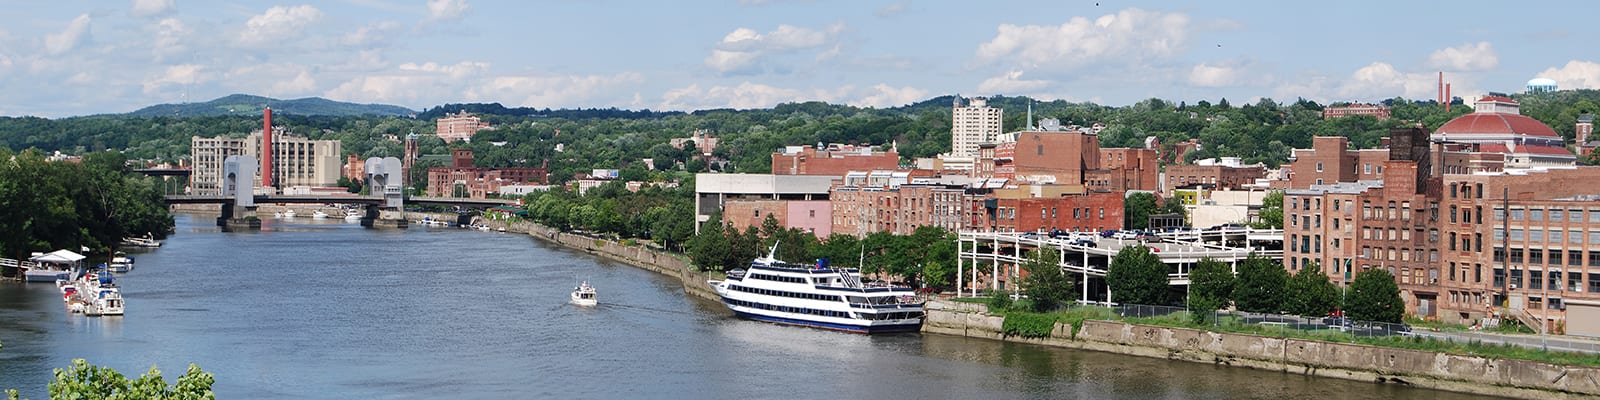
(818, 296)
(288, 213)
(120, 263)
(100, 293)
(318, 214)
(584, 295)
(352, 215)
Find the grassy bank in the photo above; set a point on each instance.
(1028, 324)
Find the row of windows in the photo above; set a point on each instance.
(781, 293)
(1547, 236)
(1545, 215)
(1547, 257)
(891, 316)
(797, 310)
(1535, 280)
(777, 278)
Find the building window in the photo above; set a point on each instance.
(1319, 167)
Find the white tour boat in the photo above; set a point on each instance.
(818, 296)
(583, 295)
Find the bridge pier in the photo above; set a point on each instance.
(238, 217)
(374, 218)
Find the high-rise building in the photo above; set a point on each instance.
(296, 161)
(971, 125)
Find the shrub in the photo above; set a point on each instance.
(1029, 325)
(999, 301)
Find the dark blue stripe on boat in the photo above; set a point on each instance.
(832, 326)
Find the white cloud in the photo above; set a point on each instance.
(446, 10)
(184, 74)
(76, 32)
(272, 80)
(411, 83)
(1207, 75)
(554, 91)
(151, 8)
(373, 33)
(170, 34)
(741, 50)
(1467, 57)
(883, 96)
(1380, 80)
(277, 24)
(890, 10)
(1011, 83)
(1575, 75)
(1129, 36)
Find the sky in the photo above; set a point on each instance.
(79, 57)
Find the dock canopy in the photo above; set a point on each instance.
(59, 257)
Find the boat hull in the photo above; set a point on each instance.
(43, 275)
(863, 329)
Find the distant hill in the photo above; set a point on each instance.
(244, 104)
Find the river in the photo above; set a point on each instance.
(327, 309)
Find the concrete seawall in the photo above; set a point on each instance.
(677, 266)
(1468, 374)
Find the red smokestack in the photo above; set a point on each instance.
(266, 148)
(1447, 98)
(1441, 87)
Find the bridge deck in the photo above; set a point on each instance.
(324, 199)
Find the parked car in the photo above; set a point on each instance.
(1108, 233)
(1084, 243)
(1125, 235)
(1227, 226)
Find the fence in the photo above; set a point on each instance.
(1341, 329)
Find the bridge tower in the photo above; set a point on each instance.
(238, 182)
(386, 178)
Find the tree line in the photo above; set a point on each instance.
(94, 203)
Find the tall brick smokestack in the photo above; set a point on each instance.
(266, 148)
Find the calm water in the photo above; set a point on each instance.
(330, 310)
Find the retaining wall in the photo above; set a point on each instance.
(1470, 374)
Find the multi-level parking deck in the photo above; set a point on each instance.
(992, 260)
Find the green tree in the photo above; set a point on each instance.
(841, 250)
(1375, 297)
(82, 380)
(1261, 285)
(1211, 288)
(1136, 210)
(1047, 287)
(1137, 276)
(711, 249)
(934, 250)
(1271, 214)
(1310, 293)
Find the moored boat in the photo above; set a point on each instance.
(584, 295)
(818, 296)
(120, 263)
(352, 215)
(318, 214)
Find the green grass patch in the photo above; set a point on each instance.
(1027, 324)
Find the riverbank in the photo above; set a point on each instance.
(1456, 373)
(677, 266)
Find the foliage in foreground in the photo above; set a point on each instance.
(83, 380)
(1047, 287)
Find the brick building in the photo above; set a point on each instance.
(1092, 211)
(1068, 158)
(1553, 230)
(1125, 169)
(833, 160)
(1226, 174)
(1496, 125)
(474, 182)
(813, 216)
(459, 126)
(865, 202)
(1378, 111)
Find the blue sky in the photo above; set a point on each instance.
(75, 57)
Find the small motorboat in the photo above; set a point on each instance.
(318, 214)
(584, 295)
(120, 263)
(288, 214)
(352, 215)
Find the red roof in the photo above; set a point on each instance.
(1524, 149)
(1480, 123)
(1502, 99)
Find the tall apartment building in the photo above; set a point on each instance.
(973, 124)
(296, 161)
(207, 155)
(459, 126)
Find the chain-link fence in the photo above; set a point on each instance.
(1338, 328)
